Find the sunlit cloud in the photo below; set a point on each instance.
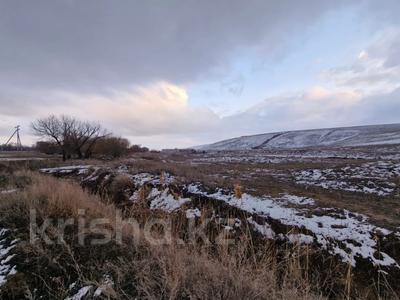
(191, 82)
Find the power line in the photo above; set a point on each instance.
(15, 133)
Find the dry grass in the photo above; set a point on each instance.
(246, 270)
(138, 269)
(383, 211)
(237, 189)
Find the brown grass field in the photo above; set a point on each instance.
(252, 267)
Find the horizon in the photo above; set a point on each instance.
(161, 77)
(231, 138)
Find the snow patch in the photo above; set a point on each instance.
(105, 286)
(340, 232)
(298, 200)
(9, 191)
(82, 169)
(300, 238)
(369, 178)
(164, 200)
(193, 213)
(265, 229)
(80, 294)
(6, 269)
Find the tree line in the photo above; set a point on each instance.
(73, 138)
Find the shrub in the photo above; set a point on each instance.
(47, 147)
(112, 147)
(138, 149)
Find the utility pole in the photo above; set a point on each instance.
(16, 133)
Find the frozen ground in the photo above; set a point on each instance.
(347, 234)
(342, 233)
(369, 178)
(333, 137)
(344, 201)
(7, 269)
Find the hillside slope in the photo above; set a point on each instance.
(337, 137)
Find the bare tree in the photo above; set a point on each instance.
(70, 134)
(83, 137)
(51, 128)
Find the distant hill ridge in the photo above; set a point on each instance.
(338, 137)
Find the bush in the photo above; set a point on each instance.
(138, 149)
(47, 147)
(111, 147)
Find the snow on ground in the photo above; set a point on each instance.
(143, 178)
(10, 191)
(81, 169)
(340, 232)
(105, 287)
(165, 200)
(240, 157)
(193, 213)
(297, 200)
(346, 234)
(339, 137)
(369, 178)
(80, 294)
(6, 268)
(300, 238)
(264, 229)
(279, 156)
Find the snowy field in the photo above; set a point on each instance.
(344, 201)
(341, 205)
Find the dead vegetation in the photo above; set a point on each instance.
(250, 269)
(262, 179)
(136, 268)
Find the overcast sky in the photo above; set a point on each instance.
(183, 73)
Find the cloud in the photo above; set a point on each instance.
(379, 109)
(159, 115)
(98, 44)
(155, 114)
(154, 109)
(128, 65)
(376, 69)
(312, 108)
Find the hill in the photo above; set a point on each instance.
(334, 137)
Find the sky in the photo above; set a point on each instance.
(168, 74)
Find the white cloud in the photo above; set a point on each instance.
(376, 69)
(56, 58)
(160, 115)
(363, 55)
(312, 108)
(157, 114)
(156, 109)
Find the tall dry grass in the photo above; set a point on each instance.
(137, 268)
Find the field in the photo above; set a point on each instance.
(307, 223)
(23, 156)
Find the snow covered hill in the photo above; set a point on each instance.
(336, 137)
